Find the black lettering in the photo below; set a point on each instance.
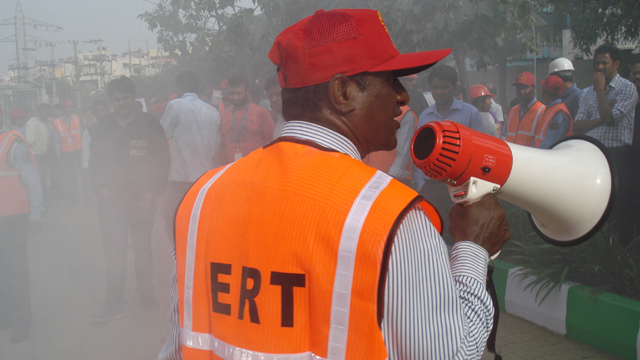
(287, 282)
(249, 295)
(220, 287)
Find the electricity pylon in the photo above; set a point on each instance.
(21, 38)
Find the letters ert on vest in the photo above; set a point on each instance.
(248, 294)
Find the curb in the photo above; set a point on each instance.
(607, 321)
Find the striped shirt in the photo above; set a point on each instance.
(436, 305)
(620, 133)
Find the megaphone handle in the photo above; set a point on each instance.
(472, 191)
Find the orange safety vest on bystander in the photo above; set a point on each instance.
(282, 255)
(70, 136)
(522, 131)
(14, 199)
(549, 113)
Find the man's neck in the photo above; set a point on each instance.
(123, 120)
(567, 85)
(444, 107)
(526, 102)
(240, 107)
(607, 82)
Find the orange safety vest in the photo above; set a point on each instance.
(549, 113)
(383, 160)
(70, 138)
(282, 255)
(220, 106)
(522, 132)
(13, 196)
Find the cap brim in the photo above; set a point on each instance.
(412, 63)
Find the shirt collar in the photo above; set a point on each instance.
(21, 130)
(615, 81)
(456, 104)
(188, 95)
(555, 102)
(321, 136)
(532, 102)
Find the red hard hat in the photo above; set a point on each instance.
(66, 103)
(17, 112)
(479, 90)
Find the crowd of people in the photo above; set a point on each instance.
(127, 159)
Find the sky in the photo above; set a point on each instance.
(114, 21)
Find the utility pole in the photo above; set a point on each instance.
(76, 69)
(148, 59)
(20, 37)
(52, 72)
(130, 63)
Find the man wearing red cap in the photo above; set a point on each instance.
(299, 250)
(68, 146)
(523, 118)
(20, 208)
(556, 122)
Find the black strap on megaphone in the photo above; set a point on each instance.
(491, 341)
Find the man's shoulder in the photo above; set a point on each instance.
(625, 84)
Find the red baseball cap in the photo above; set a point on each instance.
(553, 84)
(66, 103)
(525, 78)
(17, 112)
(342, 41)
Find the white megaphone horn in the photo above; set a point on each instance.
(568, 190)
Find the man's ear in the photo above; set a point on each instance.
(343, 94)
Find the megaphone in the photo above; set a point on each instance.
(568, 190)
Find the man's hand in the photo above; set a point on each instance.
(35, 227)
(598, 81)
(483, 222)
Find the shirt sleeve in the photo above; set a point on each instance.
(582, 108)
(626, 103)
(22, 162)
(552, 136)
(475, 121)
(169, 120)
(436, 306)
(160, 160)
(267, 126)
(56, 142)
(404, 135)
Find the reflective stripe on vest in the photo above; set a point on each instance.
(191, 253)
(522, 131)
(550, 112)
(341, 301)
(70, 135)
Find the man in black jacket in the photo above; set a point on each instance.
(129, 166)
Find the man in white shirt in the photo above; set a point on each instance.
(193, 129)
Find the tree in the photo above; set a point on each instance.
(593, 20)
(225, 36)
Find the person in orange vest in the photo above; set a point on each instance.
(556, 122)
(68, 147)
(524, 117)
(397, 162)
(299, 250)
(20, 212)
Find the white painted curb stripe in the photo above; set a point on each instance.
(551, 314)
(638, 346)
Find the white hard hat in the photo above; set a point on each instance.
(560, 64)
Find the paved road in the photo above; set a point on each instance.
(67, 273)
